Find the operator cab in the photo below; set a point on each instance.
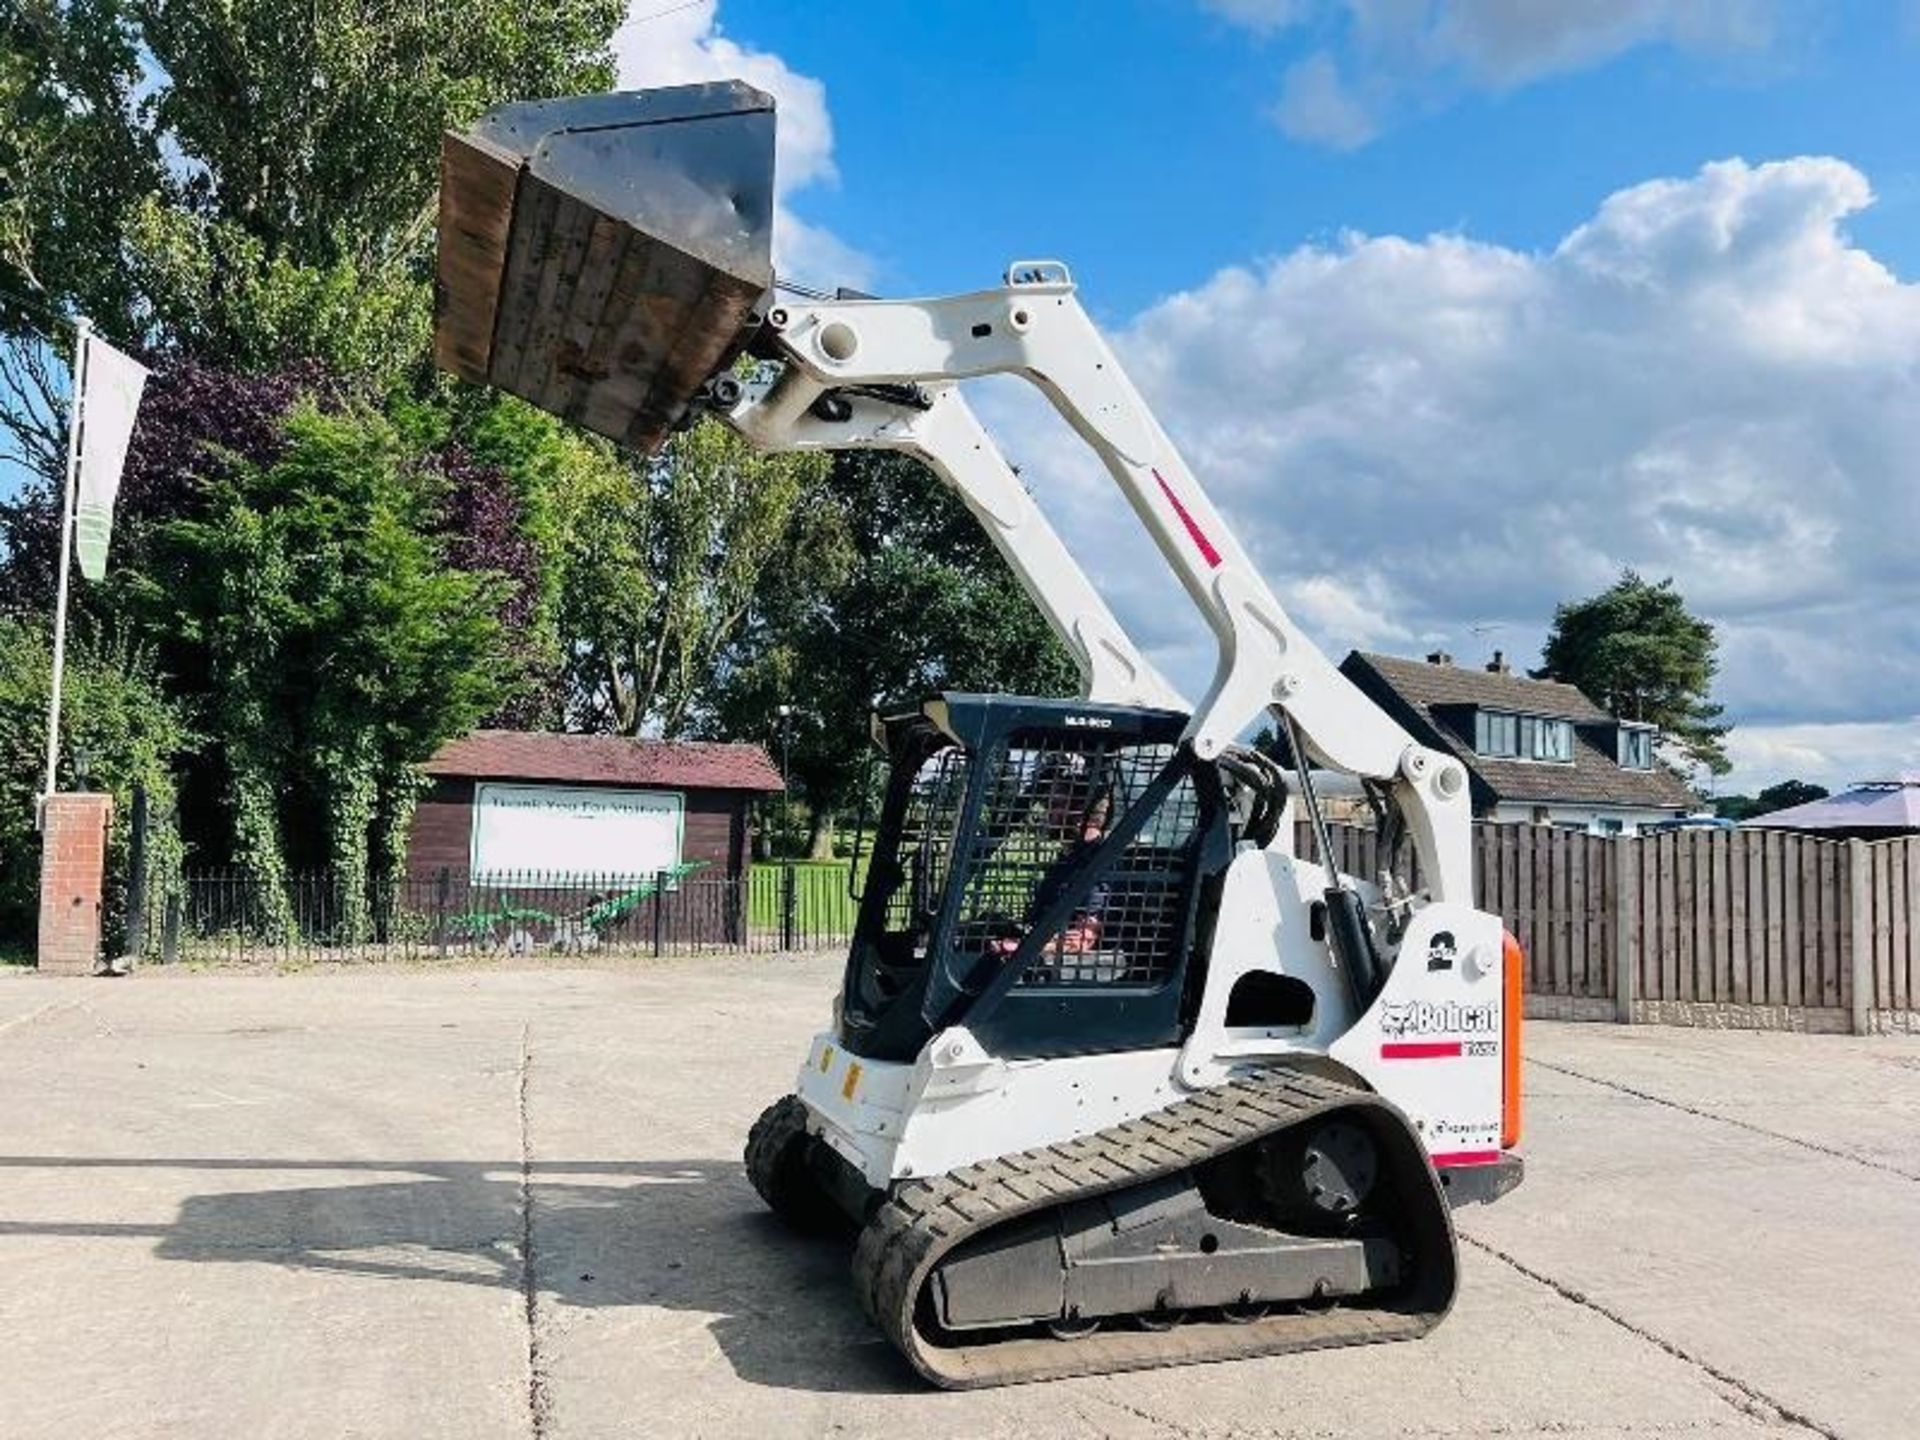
(1037, 872)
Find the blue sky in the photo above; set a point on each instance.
(1457, 307)
(1133, 136)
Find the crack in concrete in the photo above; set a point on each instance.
(52, 1007)
(1159, 1422)
(539, 1401)
(1767, 1407)
(1720, 1119)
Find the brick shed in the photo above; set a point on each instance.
(510, 801)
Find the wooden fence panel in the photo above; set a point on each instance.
(1793, 929)
(1686, 914)
(1880, 864)
(1577, 914)
(1906, 960)
(1720, 886)
(1739, 959)
(1654, 952)
(1539, 882)
(1746, 917)
(1600, 907)
(1831, 947)
(1774, 912)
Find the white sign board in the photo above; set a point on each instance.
(561, 831)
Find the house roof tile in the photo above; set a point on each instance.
(605, 760)
(1427, 684)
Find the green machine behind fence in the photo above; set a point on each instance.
(516, 928)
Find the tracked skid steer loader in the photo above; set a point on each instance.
(1115, 1078)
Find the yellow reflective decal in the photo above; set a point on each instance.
(826, 1058)
(853, 1081)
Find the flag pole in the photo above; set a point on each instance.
(84, 328)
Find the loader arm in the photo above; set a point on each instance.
(942, 431)
(1034, 326)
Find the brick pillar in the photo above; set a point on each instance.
(73, 873)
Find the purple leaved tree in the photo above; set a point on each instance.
(482, 520)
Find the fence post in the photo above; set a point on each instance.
(786, 906)
(442, 892)
(1860, 935)
(659, 913)
(1626, 927)
(170, 931)
(136, 933)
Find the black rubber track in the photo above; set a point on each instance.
(924, 1220)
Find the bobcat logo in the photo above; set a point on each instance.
(1424, 1017)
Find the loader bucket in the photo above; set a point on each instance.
(601, 256)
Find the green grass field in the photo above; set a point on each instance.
(821, 903)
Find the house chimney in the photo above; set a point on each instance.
(1498, 664)
(1439, 657)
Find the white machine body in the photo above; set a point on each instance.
(1432, 1043)
(1433, 1038)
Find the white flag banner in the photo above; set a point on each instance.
(109, 399)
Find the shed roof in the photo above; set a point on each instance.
(605, 760)
(1890, 805)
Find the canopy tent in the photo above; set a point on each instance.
(1872, 810)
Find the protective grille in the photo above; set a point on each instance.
(1046, 806)
(927, 842)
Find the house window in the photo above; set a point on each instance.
(1545, 739)
(1496, 734)
(1523, 737)
(1636, 749)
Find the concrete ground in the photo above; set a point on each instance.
(485, 1203)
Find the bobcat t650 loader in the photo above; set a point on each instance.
(1114, 1078)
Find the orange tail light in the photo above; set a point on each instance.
(1513, 965)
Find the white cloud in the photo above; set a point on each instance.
(1261, 16)
(1360, 609)
(1836, 756)
(1510, 42)
(1388, 55)
(1417, 438)
(679, 47)
(1316, 105)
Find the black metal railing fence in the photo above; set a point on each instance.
(230, 915)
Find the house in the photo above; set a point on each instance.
(1535, 750)
(504, 805)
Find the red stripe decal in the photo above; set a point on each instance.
(1466, 1157)
(1207, 552)
(1421, 1050)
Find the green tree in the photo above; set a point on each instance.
(1781, 796)
(330, 647)
(661, 562)
(890, 592)
(113, 710)
(1635, 649)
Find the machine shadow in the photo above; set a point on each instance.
(684, 1236)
